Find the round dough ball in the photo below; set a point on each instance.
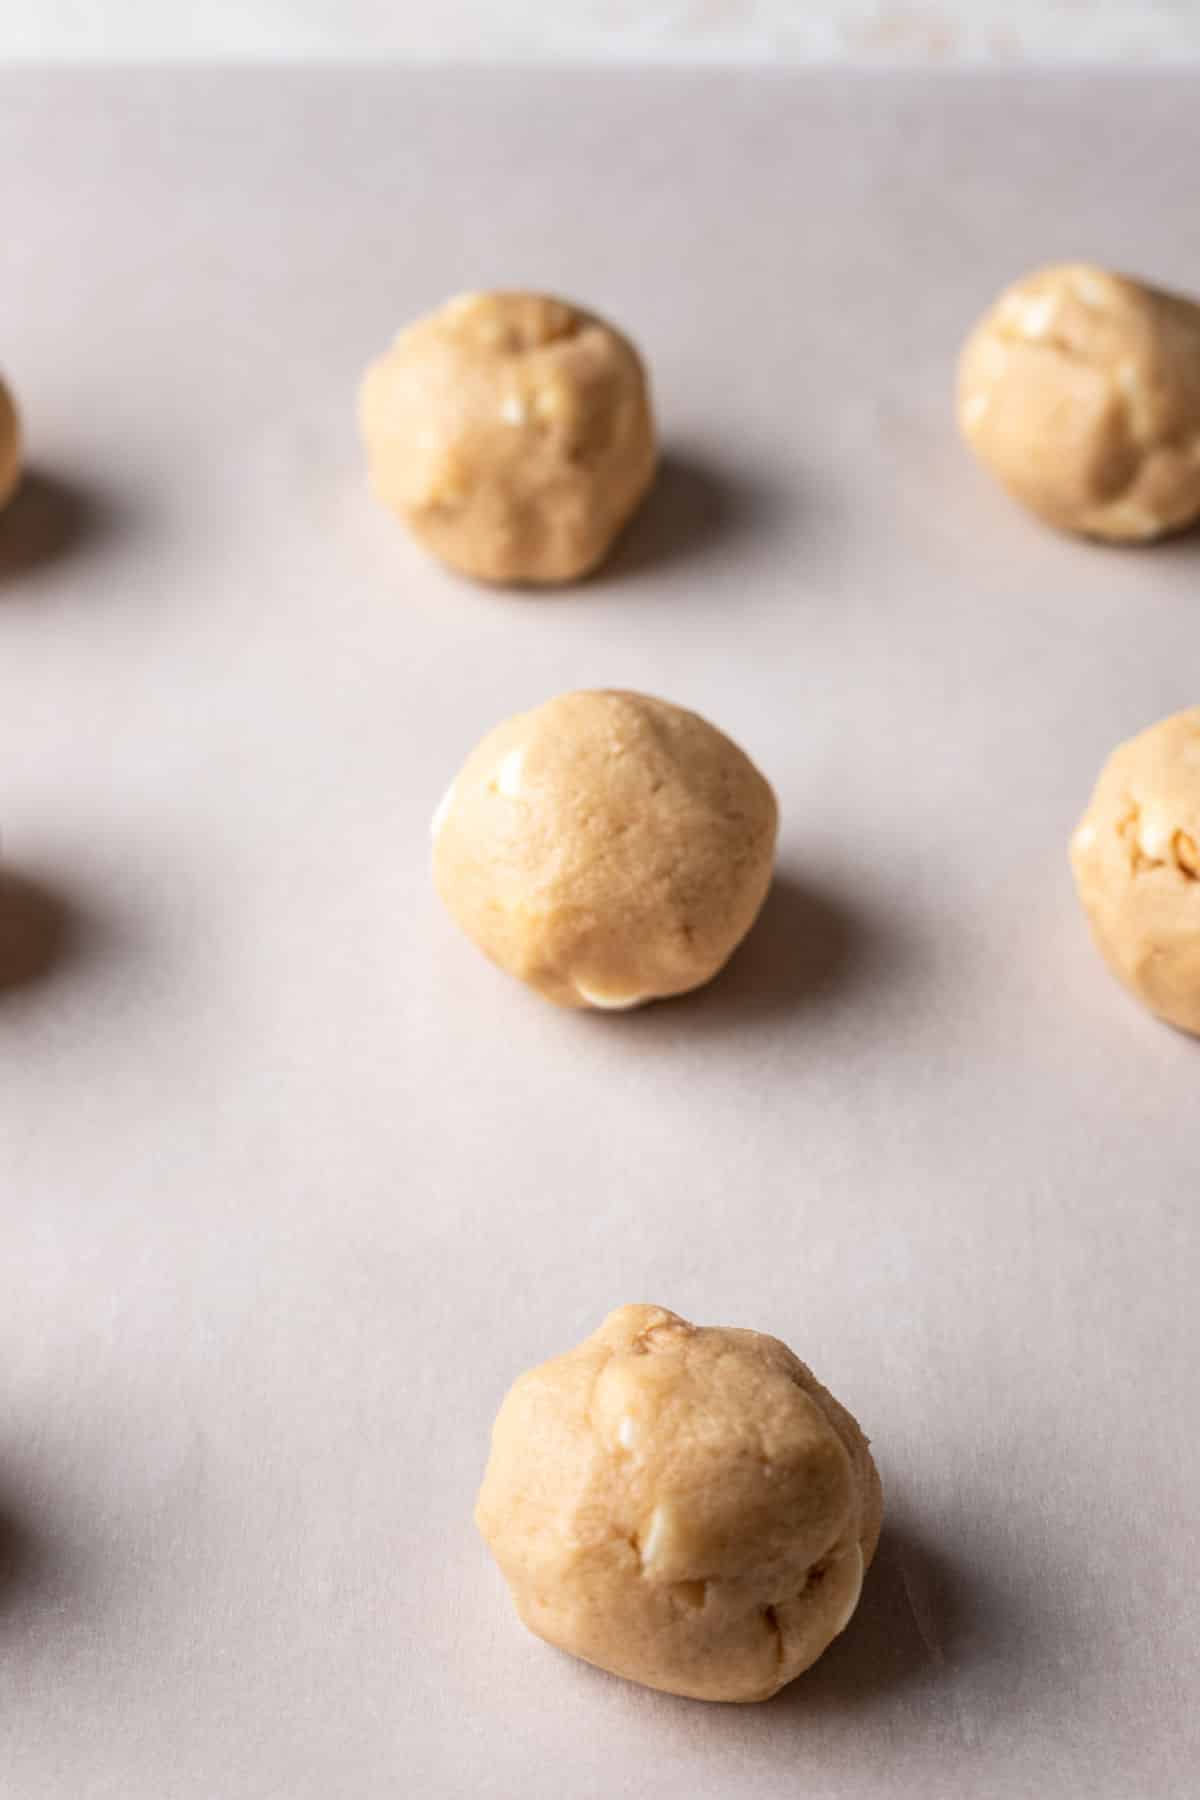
(606, 848)
(10, 447)
(513, 432)
(682, 1505)
(1080, 391)
(1136, 857)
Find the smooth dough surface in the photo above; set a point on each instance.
(1136, 858)
(514, 434)
(682, 1505)
(10, 446)
(1080, 391)
(606, 848)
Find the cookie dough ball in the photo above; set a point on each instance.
(10, 447)
(1136, 857)
(682, 1505)
(606, 848)
(1080, 391)
(513, 432)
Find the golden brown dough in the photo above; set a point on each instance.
(606, 848)
(10, 447)
(1080, 391)
(686, 1506)
(1136, 857)
(514, 434)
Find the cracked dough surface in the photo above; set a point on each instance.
(1136, 858)
(10, 447)
(607, 848)
(682, 1505)
(514, 434)
(1080, 391)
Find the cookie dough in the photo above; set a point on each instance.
(10, 447)
(1136, 857)
(514, 434)
(683, 1505)
(606, 848)
(1080, 391)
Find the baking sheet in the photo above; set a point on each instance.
(293, 1183)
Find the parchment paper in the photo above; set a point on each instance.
(293, 1183)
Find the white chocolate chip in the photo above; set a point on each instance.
(848, 1611)
(1089, 289)
(974, 407)
(508, 775)
(656, 1535)
(1157, 834)
(1141, 414)
(609, 1002)
(627, 1433)
(513, 410)
(442, 813)
(1037, 315)
(1085, 837)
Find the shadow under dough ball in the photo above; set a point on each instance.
(1080, 391)
(513, 432)
(685, 1506)
(1136, 859)
(10, 446)
(606, 848)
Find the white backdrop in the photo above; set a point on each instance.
(690, 30)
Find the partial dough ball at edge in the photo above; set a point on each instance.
(1135, 856)
(1079, 391)
(10, 446)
